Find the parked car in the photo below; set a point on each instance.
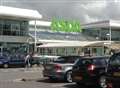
(3, 61)
(89, 70)
(112, 79)
(11, 61)
(61, 68)
(16, 61)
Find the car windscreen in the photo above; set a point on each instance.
(66, 59)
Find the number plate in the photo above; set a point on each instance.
(116, 74)
(48, 67)
(78, 77)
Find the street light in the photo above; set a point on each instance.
(109, 38)
(35, 49)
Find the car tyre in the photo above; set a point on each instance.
(69, 76)
(5, 65)
(80, 84)
(102, 82)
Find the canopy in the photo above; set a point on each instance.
(73, 44)
(18, 13)
(114, 46)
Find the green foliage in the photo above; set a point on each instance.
(65, 26)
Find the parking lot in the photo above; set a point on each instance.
(31, 78)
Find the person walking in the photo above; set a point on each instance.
(27, 61)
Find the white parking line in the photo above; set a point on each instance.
(58, 85)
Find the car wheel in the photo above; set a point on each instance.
(80, 84)
(68, 76)
(5, 65)
(102, 82)
(52, 79)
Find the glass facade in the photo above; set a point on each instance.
(60, 51)
(99, 34)
(13, 28)
(103, 33)
(17, 29)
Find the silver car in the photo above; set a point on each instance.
(60, 68)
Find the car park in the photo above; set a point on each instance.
(61, 68)
(89, 70)
(112, 79)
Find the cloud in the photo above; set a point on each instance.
(83, 10)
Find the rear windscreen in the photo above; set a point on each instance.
(100, 62)
(97, 62)
(66, 59)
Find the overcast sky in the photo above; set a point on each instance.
(83, 10)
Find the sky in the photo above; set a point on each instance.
(83, 10)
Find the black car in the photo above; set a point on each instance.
(113, 72)
(89, 70)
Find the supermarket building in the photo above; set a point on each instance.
(17, 35)
(96, 38)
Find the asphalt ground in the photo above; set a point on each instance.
(30, 78)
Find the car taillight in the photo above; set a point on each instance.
(58, 67)
(91, 67)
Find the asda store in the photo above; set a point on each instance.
(101, 37)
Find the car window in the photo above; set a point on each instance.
(66, 59)
(115, 61)
(83, 62)
(99, 62)
(78, 62)
(86, 61)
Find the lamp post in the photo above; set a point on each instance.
(109, 38)
(35, 49)
(110, 31)
(28, 42)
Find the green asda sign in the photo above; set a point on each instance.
(65, 26)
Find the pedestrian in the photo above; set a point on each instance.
(27, 61)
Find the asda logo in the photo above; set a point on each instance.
(65, 26)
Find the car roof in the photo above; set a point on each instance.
(96, 57)
(117, 53)
(71, 56)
